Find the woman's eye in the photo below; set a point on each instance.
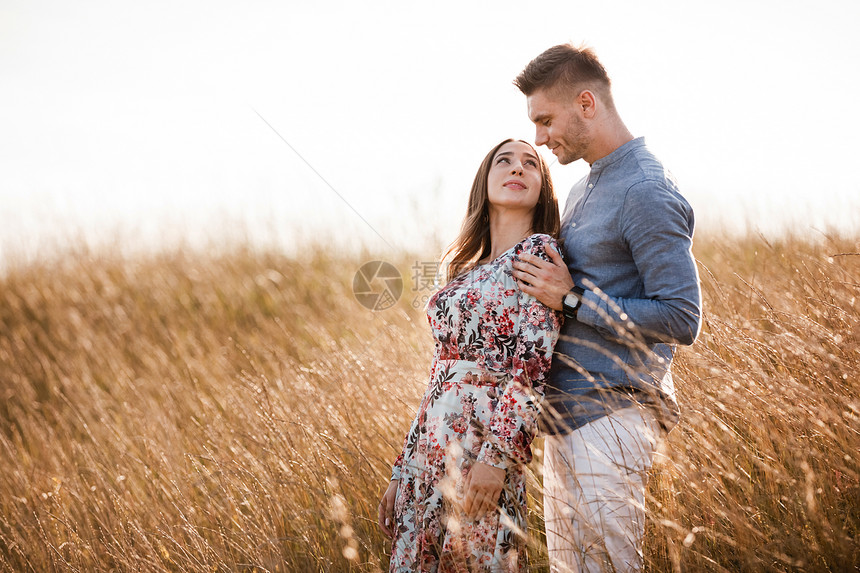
(505, 159)
(531, 162)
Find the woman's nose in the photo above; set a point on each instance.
(517, 168)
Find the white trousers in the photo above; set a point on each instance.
(594, 492)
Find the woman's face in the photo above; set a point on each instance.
(514, 179)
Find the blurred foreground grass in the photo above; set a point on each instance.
(240, 411)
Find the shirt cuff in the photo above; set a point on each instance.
(587, 312)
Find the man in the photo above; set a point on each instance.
(629, 289)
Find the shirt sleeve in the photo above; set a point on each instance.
(513, 425)
(657, 226)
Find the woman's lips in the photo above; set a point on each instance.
(514, 184)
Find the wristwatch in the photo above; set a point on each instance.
(571, 302)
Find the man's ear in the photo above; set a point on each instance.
(587, 104)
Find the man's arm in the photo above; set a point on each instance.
(657, 226)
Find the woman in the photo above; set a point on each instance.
(457, 500)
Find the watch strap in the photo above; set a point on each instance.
(570, 311)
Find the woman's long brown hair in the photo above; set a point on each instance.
(473, 242)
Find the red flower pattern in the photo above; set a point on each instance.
(493, 349)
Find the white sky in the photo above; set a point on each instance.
(136, 120)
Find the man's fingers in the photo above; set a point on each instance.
(528, 281)
(531, 260)
(527, 288)
(525, 273)
(555, 256)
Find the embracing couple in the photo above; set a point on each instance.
(565, 323)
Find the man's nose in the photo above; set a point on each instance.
(540, 136)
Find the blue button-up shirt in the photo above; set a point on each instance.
(627, 237)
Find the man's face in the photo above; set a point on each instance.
(558, 125)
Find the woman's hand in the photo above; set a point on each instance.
(386, 509)
(482, 489)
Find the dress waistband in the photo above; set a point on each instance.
(469, 372)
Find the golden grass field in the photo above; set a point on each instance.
(239, 411)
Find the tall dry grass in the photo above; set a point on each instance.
(239, 412)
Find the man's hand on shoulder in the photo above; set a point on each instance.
(546, 281)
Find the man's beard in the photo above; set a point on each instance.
(576, 137)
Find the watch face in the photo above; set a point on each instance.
(570, 299)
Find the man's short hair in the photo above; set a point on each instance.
(566, 68)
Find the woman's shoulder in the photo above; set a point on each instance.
(537, 244)
(541, 239)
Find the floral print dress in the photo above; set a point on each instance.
(493, 345)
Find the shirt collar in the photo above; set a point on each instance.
(618, 153)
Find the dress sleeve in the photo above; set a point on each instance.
(411, 436)
(514, 422)
(395, 471)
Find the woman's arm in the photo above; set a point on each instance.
(386, 509)
(514, 422)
